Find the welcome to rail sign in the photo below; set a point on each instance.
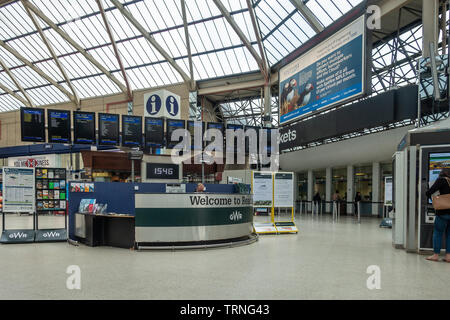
(328, 74)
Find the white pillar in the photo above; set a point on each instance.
(310, 186)
(350, 188)
(376, 186)
(328, 185)
(430, 17)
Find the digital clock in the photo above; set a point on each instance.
(162, 171)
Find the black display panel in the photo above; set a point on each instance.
(191, 127)
(247, 139)
(219, 126)
(236, 144)
(162, 171)
(32, 123)
(131, 131)
(154, 132)
(59, 126)
(84, 127)
(108, 129)
(171, 126)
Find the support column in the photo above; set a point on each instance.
(328, 191)
(267, 104)
(350, 188)
(376, 187)
(430, 21)
(310, 187)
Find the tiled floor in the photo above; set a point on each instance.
(325, 260)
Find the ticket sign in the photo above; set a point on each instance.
(59, 126)
(283, 189)
(84, 127)
(108, 129)
(131, 131)
(262, 189)
(32, 123)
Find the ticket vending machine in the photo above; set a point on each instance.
(432, 160)
(421, 155)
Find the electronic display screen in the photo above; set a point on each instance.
(171, 126)
(108, 129)
(437, 162)
(219, 126)
(59, 126)
(131, 131)
(191, 128)
(247, 139)
(32, 123)
(162, 171)
(84, 127)
(236, 145)
(154, 132)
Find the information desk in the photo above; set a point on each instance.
(105, 230)
(192, 219)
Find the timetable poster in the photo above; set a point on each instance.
(108, 129)
(18, 190)
(283, 189)
(84, 127)
(32, 123)
(58, 126)
(131, 131)
(262, 189)
(173, 125)
(154, 132)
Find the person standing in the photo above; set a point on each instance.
(357, 199)
(442, 218)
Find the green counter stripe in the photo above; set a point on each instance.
(176, 217)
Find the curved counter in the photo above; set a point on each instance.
(190, 219)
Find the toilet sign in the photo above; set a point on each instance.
(162, 103)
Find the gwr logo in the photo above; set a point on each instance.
(51, 234)
(235, 216)
(18, 235)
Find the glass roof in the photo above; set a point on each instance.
(216, 48)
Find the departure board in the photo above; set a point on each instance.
(247, 138)
(108, 129)
(171, 126)
(58, 126)
(84, 127)
(32, 123)
(154, 132)
(191, 128)
(131, 131)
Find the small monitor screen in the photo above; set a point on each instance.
(108, 129)
(131, 131)
(32, 124)
(171, 126)
(154, 132)
(59, 126)
(84, 127)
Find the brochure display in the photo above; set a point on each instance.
(51, 198)
(274, 190)
(18, 197)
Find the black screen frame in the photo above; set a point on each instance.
(41, 138)
(153, 144)
(75, 128)
(100, 137)
(69, 123)
(123, 131)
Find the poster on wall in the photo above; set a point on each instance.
(283, 192)
(328, 74)
(262, 189)
(18, 190)
(388, 191)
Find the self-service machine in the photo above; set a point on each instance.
(420, 157)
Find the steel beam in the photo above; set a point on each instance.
(308, 15)
(239, 32)
(76, 99)
(188, 42)
(74, 44)
(35, 69)
(13, 78)
(150, 39)
(15, 95)
(114, 45)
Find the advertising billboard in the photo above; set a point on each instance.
(330, 73)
